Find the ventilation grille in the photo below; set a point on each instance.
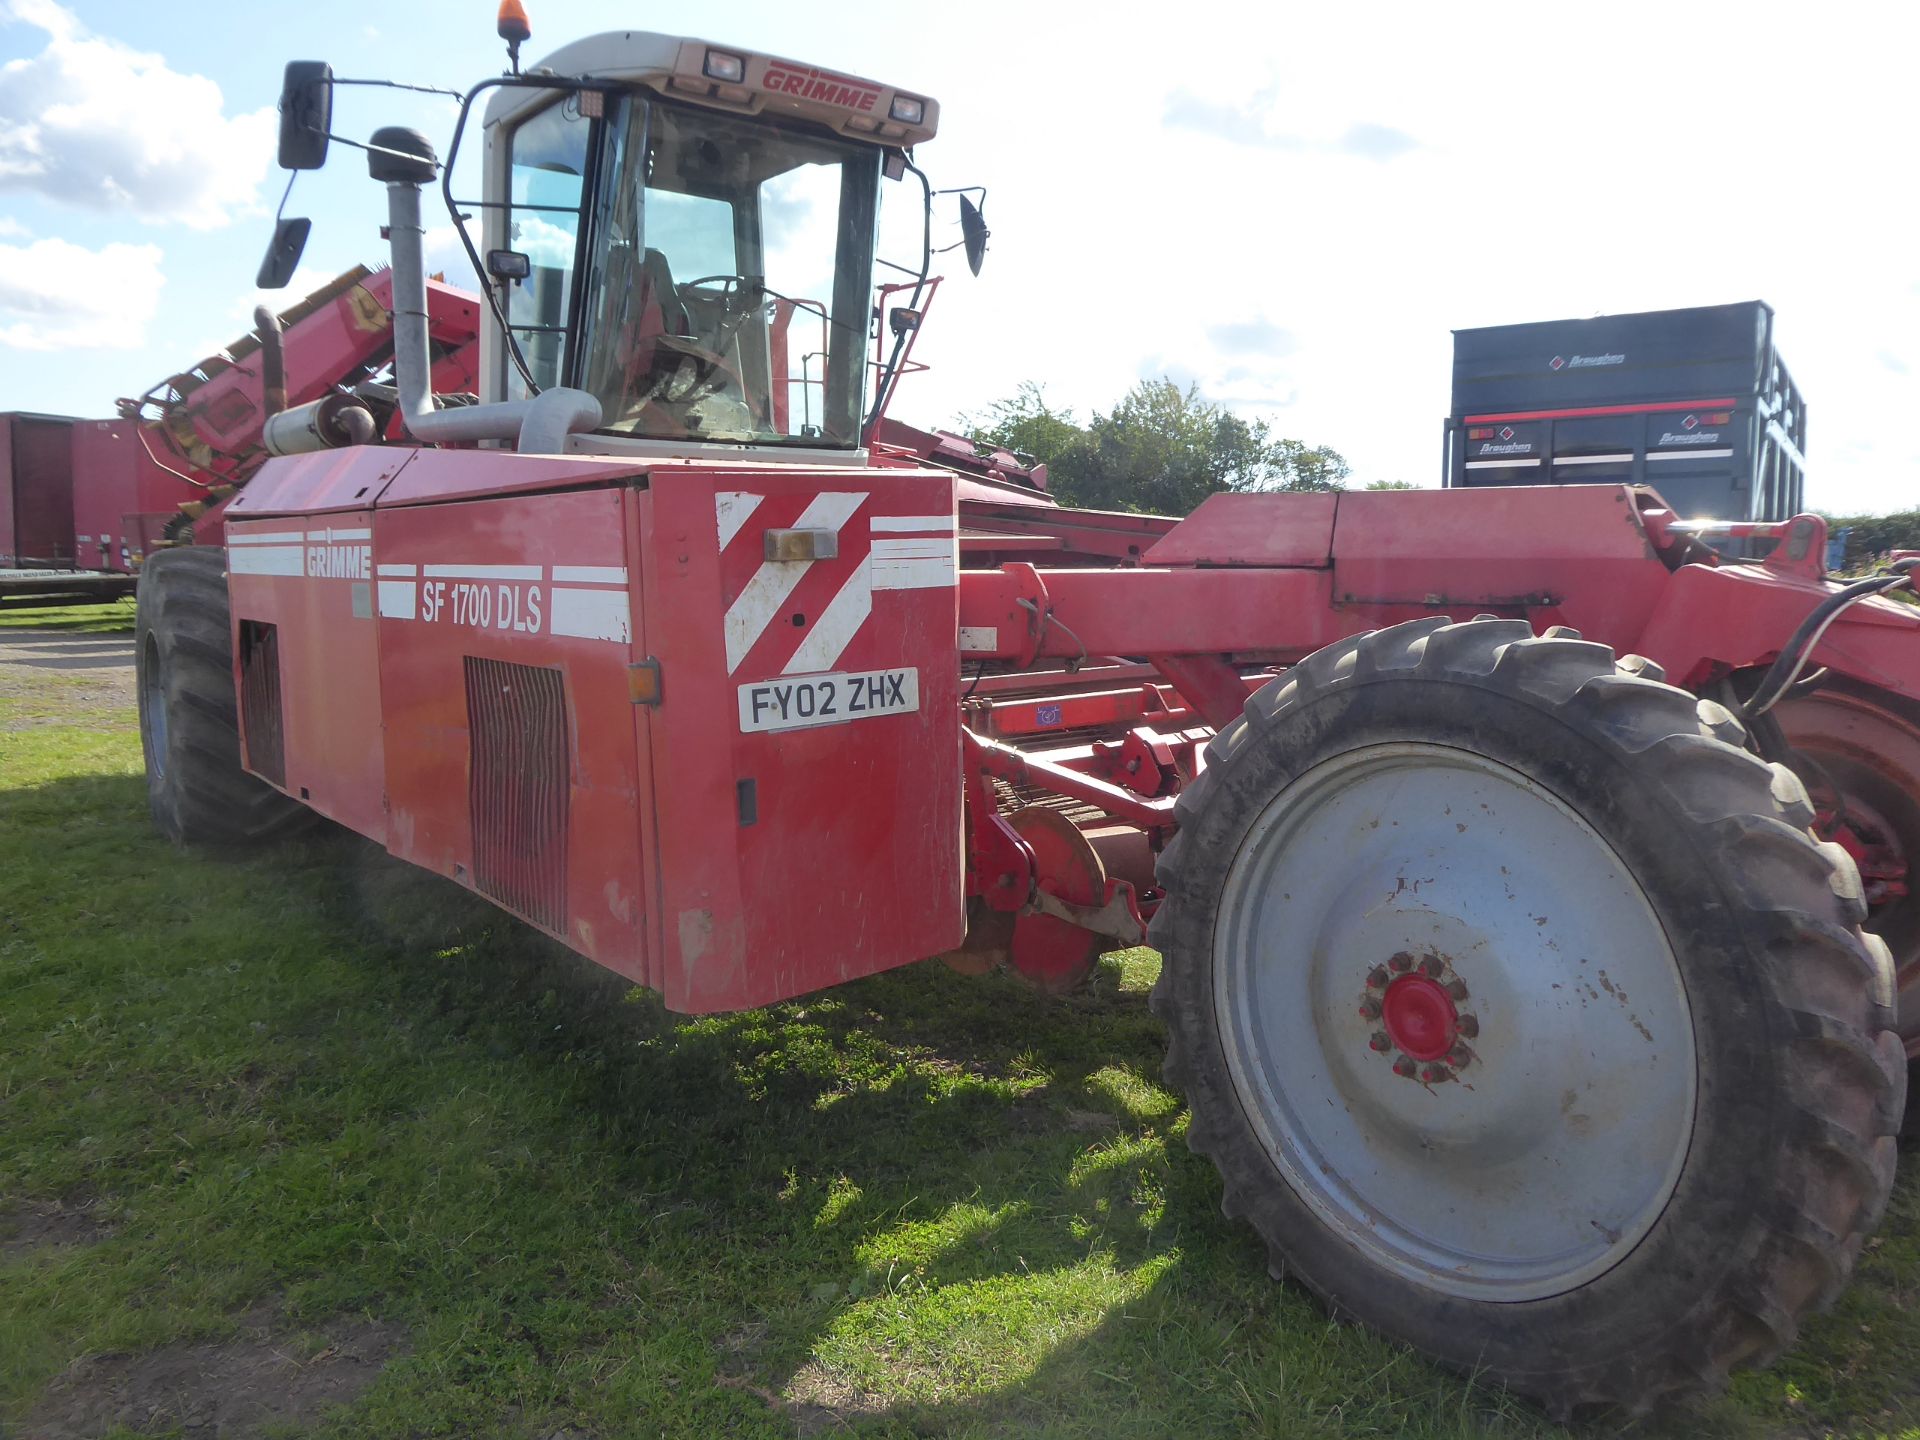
(517, 794)
(260, 712)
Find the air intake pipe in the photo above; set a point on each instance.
(403, 160)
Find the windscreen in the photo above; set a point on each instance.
(735, 263)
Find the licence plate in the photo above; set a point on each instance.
(799, 701)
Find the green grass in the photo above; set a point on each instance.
(917, 1205)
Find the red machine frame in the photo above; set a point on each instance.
(729, 866)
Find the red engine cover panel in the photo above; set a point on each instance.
(806, 756)
(463, 682)
(505, 635)
(311, 578)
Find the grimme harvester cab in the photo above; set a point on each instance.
(1520, 992)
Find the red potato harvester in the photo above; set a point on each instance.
(1540, 998)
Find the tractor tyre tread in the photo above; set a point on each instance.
(201, 795)
(1821, 1153)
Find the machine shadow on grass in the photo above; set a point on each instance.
(919, 1204)
(924, 1093)
(949, 1134)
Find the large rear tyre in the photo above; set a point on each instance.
(189, 717)
(1523, 1018)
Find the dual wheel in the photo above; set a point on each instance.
(1522, 1015)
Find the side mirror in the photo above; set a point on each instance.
(509, 265)
(306, 114)
(973, 233)
(289, 241)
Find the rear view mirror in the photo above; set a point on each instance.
(973, 233)
(289, 241)
(306, 114)
(509, 265)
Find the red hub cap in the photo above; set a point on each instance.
(1420, 1017)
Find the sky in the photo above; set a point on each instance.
(1289, 206)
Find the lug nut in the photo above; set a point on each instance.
(1400, 963)
(1377, 978)
(1379, 1041)
(1404, 1066)
(1369, 1009)
(1431, 966)
(1459, 1056)
(1468, 1025)
(1433, 1074)
(1457, 989)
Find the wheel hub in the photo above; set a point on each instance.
(1419, 1017)
(1415, 1009)
(1874, 848)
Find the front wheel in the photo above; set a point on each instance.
(1523, 1018)
(189, 716)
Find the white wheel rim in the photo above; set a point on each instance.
(1543, 1146)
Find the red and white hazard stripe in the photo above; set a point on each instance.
(887, 552)
(766, 592)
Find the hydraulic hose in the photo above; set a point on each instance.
(1784, 671)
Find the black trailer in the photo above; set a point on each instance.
(1695, 403)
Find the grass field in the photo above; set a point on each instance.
(307, 1143)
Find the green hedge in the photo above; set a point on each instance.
(1873, 534)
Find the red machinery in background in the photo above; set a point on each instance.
(36, 489)
(82, 502)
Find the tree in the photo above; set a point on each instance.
(1391, 485)
(1027, 425)
(1307, 467)
(1871, 535)
(1160, 449)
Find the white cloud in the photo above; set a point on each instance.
(96, 124)
(306, 279)
(239, 314)
(1245, 125)
(548, 245)
(55, 295)
(444, 255)
(11, 229)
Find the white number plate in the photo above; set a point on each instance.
(795, 702)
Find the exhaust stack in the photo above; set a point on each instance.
(404, 160)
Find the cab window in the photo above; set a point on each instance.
(548, 162)
(734, 263)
